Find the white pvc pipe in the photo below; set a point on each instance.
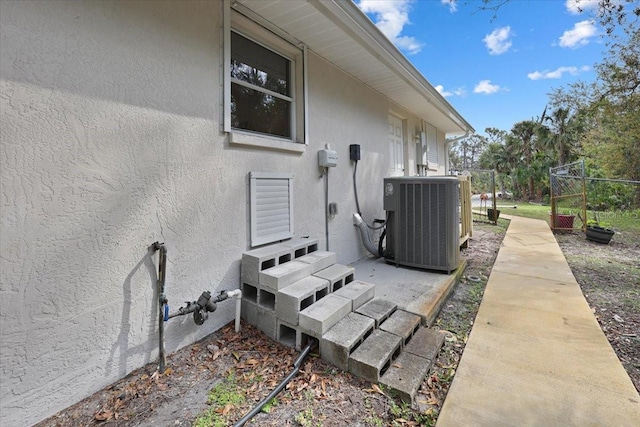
(238, 294)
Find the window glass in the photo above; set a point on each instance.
(259, 112)
(260, 88)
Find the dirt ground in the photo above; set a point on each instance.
(216, 381)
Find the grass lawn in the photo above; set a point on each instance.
(525, 209)
(628, 220)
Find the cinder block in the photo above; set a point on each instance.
(256, 260)
(318, 318)
(301, 246)
(280, 276)
(338, 275)
(267, 299)
(288, 334)
(374, 356)
(405, 375)
(267, 321)
(249, 312)
(378, 309)
(402, 324)
(341, 340)
(299, 295)
(358, 292)
(319, 260)
(425, 343)
(250, 292)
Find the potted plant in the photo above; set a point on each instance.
(599, 232)
(561, 221)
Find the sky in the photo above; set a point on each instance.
(495, 69)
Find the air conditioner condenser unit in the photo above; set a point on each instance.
(423, 222)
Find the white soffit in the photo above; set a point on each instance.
(340, 33)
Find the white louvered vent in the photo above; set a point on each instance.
(271, 207)
(432, 146)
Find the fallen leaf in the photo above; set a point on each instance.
(104, 415)
(377, 389)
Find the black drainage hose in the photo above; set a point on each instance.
(296, 367)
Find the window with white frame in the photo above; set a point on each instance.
(264, 91)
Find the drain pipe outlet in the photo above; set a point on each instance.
(364, 234)
(238, 294)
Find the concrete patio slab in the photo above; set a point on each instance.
(536, 354)
(421, 292)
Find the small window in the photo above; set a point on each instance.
(260, 89)
(264, 91)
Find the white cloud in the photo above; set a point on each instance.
(461, 91)
(457, 92)
(486, 87)
(579, 35)
(498, 41)
(557, 73)
(390, 17)
(576, 7)
(443, 92)
(453, 5)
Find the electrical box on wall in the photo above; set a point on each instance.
(354, 152)
(327, 158)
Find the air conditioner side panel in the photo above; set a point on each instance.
(423, 229)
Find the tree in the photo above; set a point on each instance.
(468, 151)
(610, 14)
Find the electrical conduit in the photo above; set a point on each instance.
(364, 233)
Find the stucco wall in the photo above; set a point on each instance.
(111, 140)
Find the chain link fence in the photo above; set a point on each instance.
(578, 201)
(613, 203)
(568, 197)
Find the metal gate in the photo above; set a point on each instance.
(568, 197)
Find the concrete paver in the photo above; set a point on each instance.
(536, 354)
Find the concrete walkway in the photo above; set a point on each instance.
(536, 355)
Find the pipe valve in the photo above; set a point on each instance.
(204, 306)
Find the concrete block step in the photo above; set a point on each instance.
(374, 356)
(301, 246)
(262, 318)
(338, 276)
(256, 260)
(280, 276)
(402, 324)
(299, 295)
(344, 338)
(377, 309)
(318, 260)
(318, 318)
(358, 292)
(425, 343)
(405, 375)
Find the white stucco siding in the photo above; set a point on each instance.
(110, 140)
